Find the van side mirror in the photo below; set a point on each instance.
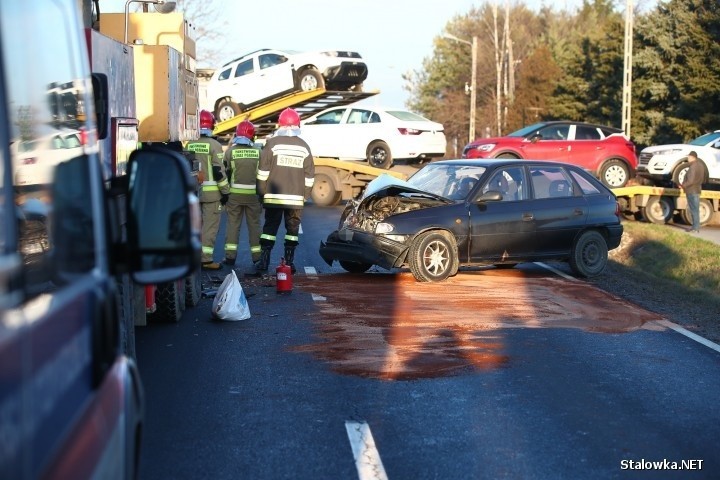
(163, 217)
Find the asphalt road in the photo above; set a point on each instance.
(419, 382)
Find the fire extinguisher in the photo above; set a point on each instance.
(284, 277)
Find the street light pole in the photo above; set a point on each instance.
(473, 80)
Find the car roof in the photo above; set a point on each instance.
(586, 124)
(494, 162)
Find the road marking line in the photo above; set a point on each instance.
(690, 335)
(555, 271)
(310, 272)
(367, 458)
(318, 298)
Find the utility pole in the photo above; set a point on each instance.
(627, 69)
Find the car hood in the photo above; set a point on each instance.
(383, 197)
(678, 147)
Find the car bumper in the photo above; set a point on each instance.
(615, 233)
(347, 73)
(362, 247)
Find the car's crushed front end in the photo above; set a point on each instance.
(364, 236)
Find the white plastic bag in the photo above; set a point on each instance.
(230, 302)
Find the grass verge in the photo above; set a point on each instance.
(672, 255)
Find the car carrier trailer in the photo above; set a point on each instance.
(660, 204)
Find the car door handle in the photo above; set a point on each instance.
(527, 217)
(578, 212)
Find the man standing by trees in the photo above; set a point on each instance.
(285, 179)
(692, 186)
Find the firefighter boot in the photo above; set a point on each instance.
(261, 265)
(289, 257)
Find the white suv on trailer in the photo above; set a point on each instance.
(667, 164)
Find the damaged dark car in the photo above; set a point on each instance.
(478, 212)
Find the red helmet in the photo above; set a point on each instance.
(207, 120)
(289, 118)
(245, 129)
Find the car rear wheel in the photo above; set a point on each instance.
(706, 213)
(323, 192)
(507, 155)
(658, 210)
(226, 110)
(589, 254)
(614, 173)
(310, 79)
(433, 257)
(355, 267)
(378, 155)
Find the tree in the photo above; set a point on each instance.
(206, 18)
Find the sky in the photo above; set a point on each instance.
(392, 36)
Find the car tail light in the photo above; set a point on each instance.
(618, 212)
(83, 136)
(409, 131)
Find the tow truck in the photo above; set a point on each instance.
(659, 204)
(335, 180)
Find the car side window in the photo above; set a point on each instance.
(555, 132)
(52, 181)
(551, 182)
(358, 116)
(330, 118)
(268, 60)
(374, 118)
(244, 68)
(585, 185)
(584, 132)
(510, 182)
(225, 74)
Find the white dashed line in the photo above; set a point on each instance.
(367, 458)
(310, 272)
(318, 298)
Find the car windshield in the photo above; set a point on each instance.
(525, 131)
(447, 181)
(407, 116)
(706, 139)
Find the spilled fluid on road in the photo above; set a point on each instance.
(388, 326)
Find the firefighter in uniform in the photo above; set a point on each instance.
(285, 178)
(214, 189)
(242, 160)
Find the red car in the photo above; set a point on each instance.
(604, 151)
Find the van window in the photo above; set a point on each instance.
(51, 175)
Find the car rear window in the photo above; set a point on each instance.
(408, 116)
(587, 187)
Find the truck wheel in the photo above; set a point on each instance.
(355, 267)
(658, 210)
(589, 254)
(323, 192)
(310, 79)
(378, 155)
(226, 110)
(170, 301)
(193, 289)
(614, 173)
(433, 257)
(706, 213)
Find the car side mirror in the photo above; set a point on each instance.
(490, 196)
(535, 138)
(163, 216)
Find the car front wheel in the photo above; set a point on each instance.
(614, 174)
(226, 110)
(378, 155)
(311, 79)
(433, 257)
(589, 254)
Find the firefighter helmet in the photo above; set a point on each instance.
(289, 118)
(245, 129)
(207, 120)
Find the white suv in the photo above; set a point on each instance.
(267, 74)
(667, 164)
